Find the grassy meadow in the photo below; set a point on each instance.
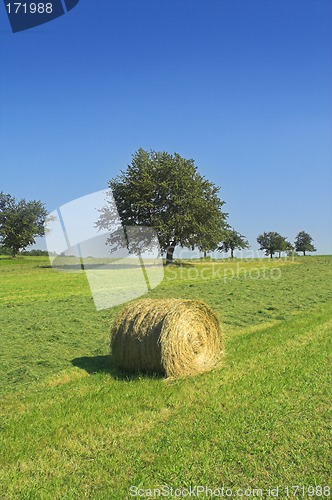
(72, 427)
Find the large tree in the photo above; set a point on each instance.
(272, 242)
(303, 243)
(20, 222)
(232, 240)
(166, 192)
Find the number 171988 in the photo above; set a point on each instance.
(32, 8)
(307, 491)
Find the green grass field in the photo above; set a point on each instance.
(72, 427)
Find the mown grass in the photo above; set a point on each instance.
(72, 427)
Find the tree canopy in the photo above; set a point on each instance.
(232, 240)
(272, 242)
(20, 222)
(166, 192)
(303, 243)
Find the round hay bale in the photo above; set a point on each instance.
(173, 337)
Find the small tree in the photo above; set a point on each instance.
(167, 193)
(283, 245)
(303, 243)
(20, 222)
(232, 240)
(272, 242)
(290, 249)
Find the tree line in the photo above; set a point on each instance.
(273, 242)
(158, 190)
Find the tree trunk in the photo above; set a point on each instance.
(169, 253)
(232, 253)
(271, 255)
(15, 252)
(205, 254)
(303, 253)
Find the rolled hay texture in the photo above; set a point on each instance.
(173, 337)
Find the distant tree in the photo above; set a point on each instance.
(283, 245)
(20, 222)
(272, 242)
(37, 253)
(290, 249)
(167, 193)
(303, 243)
(232, 240)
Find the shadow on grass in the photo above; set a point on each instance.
(103, 364)
(178, 263)
(102, 267)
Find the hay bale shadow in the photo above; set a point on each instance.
(103, 364)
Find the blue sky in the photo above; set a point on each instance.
(244, 87)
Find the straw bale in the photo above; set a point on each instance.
(173, 337)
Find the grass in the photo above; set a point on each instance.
(72, 427)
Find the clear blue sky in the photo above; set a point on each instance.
(244, 87)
